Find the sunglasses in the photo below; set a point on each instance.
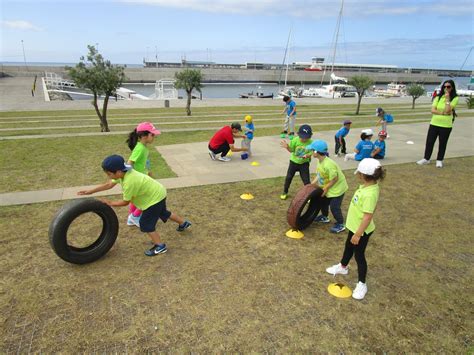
(448, 86)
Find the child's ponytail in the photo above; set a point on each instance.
(132, 139)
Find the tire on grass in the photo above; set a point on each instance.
(58, 231)
(305, 207)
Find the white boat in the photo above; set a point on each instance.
(392, 90)
(469, 91)
(290, 91)
(335, 91)
(310, 92)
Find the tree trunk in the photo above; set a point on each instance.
(105, 124)
(359, 99)
(413, 103)
(94, 103)
(188, 103)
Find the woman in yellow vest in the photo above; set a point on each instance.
(441, 122)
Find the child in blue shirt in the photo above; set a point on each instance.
(249, 129)
(339, 137)
(290, 120)
(364, 148)
(379, 146)
(384, 119)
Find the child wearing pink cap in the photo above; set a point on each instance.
(137, 141)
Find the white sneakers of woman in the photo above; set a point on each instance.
(360, 291)
(423, 162)
(337, 269)
(439, 163)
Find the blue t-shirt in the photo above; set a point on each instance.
(388, 118)
(342, 132)
(251, 127)
(364, 148)
(381, 145)
(290, 106)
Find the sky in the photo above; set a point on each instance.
(405, 33)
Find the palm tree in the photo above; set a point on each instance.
(361, 83)
(188, 80)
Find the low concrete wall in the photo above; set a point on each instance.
(234, 75)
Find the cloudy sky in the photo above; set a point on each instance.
(407, 33)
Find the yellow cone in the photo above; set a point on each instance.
(255, 163)
(246, 196)
(339, 290)
(229, 153)
(294, 234)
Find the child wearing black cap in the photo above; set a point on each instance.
(145, 193)
(299, 158)
(339, 137)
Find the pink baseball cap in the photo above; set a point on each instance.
(147, 126)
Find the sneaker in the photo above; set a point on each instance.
(182, 227)
(283, 196)
(346, 158)
(291, 136)
(224, 159)
(360, 291)
(322, 219)
(212, 155)
(133, 221)
(439, 163)
(423, 162)
(338, 228)
(337, 269)
(157, 249)
(283, 134)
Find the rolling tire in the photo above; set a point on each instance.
(305, 207)
(59, 226)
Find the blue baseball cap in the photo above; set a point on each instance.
(305, 131)
(319, 146)
(115, 163)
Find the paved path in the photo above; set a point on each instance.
(193, 166)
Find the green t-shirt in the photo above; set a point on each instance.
(439, 104)
(328, 170)
(142, 190)
(364, 201)
(139, 157)
(298, 149)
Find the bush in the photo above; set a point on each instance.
(470, 102)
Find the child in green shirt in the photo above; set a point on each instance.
(360, 222)
(331, 179)
(145, 193)
(299, 158)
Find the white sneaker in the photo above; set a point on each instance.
(337, 269)
(360, 291)
(224, 158)
(346, 158)
(212, 155)
(439, 163)
(133, 221)
(423, 162)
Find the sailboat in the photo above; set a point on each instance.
(290, 91)
(338, 86)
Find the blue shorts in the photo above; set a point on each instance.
(152, 214)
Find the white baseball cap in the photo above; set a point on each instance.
(368, 166)
(368, 131)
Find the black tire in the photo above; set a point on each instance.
(59, 226)
(305, 207)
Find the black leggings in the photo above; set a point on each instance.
(433, 133)
(359, 251)
(292, 169)
(341, 145)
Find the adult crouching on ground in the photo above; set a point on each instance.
(441, 122)
(223, 141)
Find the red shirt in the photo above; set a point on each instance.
(221, 136)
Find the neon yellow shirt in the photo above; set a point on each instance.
(139, 157)
(439, 104)
(364, 201)
(140, 189)
(328, 170)
(298, 149)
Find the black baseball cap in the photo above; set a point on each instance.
(236, 125)
(305, 131)
(115, 163)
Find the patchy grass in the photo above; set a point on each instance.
(235, 283)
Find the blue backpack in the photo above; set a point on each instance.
(388, 118)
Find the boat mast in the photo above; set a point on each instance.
(284, 59)
(338, 25)
(288, 58)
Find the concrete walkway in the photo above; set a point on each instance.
(192, 164)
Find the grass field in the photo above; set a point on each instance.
(49, 163)
(235, 283)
